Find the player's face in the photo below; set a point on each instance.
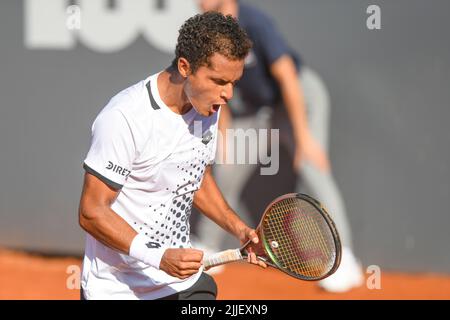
(212, 86)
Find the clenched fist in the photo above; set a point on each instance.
(181, 263)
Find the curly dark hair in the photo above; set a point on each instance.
(211, 32)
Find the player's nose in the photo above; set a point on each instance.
(227, 92)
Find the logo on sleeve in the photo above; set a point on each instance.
(118, 169)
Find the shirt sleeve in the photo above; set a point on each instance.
(271, 41)
(112, 149)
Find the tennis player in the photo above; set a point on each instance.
(149, 162)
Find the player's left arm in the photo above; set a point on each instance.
(210, 201)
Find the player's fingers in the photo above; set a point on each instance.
(251, 234)
(184, 273)
(262, 264)
(188, 272)
(190, 265)
(198, 254)
(192, 255)
(249, 253)
(253, 258)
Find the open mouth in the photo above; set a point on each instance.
(215, 107)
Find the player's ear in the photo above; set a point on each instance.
(184, 67)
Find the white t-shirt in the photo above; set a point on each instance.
(157, 159)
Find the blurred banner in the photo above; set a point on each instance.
(388, 78)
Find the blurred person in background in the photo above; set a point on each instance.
(277, 87)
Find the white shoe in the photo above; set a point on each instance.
(349, 274)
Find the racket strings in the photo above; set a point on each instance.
(313, 245)
(305, 245)
(309, 264)
(299, 238)
(320, 243)
(288, 240)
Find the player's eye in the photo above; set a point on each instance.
(220, 82)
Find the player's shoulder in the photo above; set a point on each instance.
(129, 98)
(132, 102)
(129, 108)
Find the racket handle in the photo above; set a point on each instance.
(222, 257)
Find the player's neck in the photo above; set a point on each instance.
(170, 85)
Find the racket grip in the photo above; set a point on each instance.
(222, 258)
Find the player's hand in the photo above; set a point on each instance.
(310, 150)
(181, 263)
(250, 234)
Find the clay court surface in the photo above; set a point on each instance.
(25, 276)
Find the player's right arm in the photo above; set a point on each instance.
(98, 219)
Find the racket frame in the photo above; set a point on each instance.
(271, 259)
(262, 248)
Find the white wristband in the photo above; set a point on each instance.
(142, 250)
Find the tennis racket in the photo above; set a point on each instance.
(297, 236)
